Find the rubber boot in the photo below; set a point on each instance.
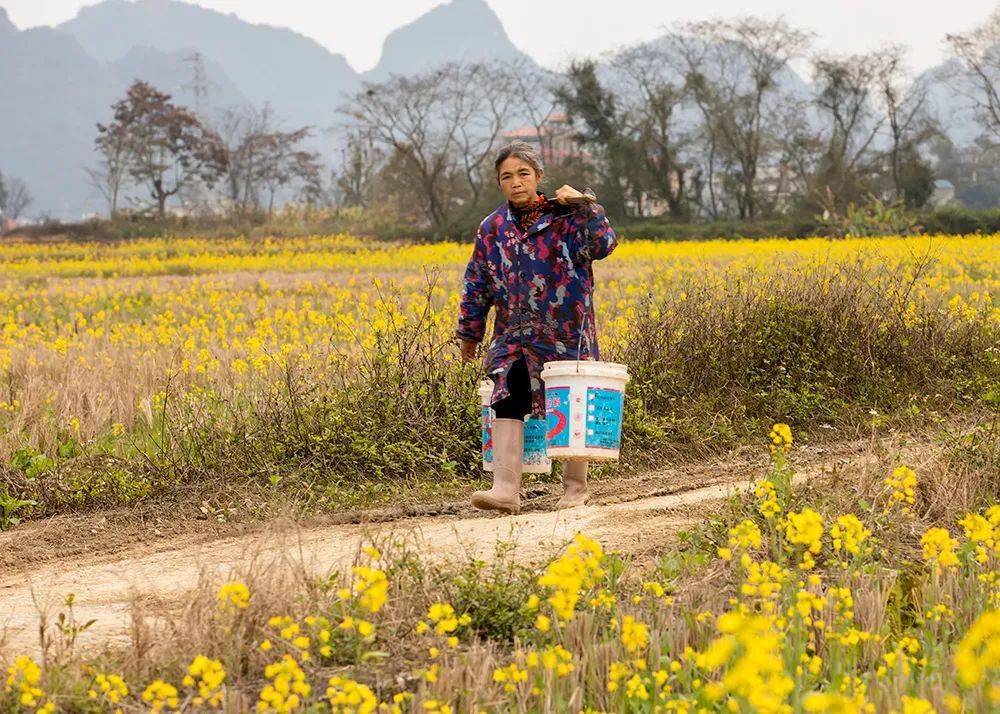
(575, 491)
(508, 460)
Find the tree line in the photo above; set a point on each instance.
(708, 122)
(164, 149)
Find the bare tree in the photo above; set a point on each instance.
(848, 89)
(480, 107)
(360, 161)
(733, 69)
(904, 104)
(307, 175)
(287, 165)
(798, 149)
(652, 96)
(400, 114)
(979, 52)
(441, 125)
(14, 197)
(689, 56)
(262, 160)
(533, 93)
(240, 128)
(111, 175)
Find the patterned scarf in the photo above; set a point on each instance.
(527, 216)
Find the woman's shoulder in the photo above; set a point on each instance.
(491, 224)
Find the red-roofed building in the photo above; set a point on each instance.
(554, 139)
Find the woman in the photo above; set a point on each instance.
(532, 263)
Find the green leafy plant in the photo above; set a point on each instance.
(31, 462)
(9, 506)
(875, 217)
(492, 595)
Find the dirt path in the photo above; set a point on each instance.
(633, 515)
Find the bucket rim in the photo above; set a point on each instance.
(595, 367)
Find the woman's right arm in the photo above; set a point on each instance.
(477, 294)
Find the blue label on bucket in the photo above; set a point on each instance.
(487, 435)
(604, 418)
(557, 415)
(534, 441)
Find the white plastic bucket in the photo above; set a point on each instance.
(584, 401)
(536, 460)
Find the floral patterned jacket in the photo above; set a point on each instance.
(541, 283)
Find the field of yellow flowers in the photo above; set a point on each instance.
(129, 368)
(783, 602)
(132, 369)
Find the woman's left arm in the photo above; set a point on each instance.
(591, 235)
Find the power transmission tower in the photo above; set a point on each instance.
(199, 84)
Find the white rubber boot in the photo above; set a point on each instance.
(575, 491)
(508, 460)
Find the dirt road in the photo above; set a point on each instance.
(633, 515)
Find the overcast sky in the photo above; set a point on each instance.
(553, 31)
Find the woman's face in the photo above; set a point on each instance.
(518, 181)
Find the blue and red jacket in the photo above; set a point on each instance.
(541, 283)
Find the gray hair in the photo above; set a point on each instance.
(520, 150)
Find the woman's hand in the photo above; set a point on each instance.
(566, 194)
(468, 350)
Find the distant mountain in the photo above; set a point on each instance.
(303, 80)
(954, 110)
(54, 94)
(465, 30)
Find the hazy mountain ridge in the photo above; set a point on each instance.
(57, 93)
(954, 110)
(295, 74)
(63, 80)
(466, 30)
(54, 91)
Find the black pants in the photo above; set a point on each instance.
(518, 403)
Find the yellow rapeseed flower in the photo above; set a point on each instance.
(805, 530)
(781, 438)
(234, 595)
(849, 534)
(977, 657)
(349, 697)
(634, 635)
(903, 485)
(939, 549)
(160, 696)
(287, 688)
(206, 676)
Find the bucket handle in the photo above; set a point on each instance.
(579, 342)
